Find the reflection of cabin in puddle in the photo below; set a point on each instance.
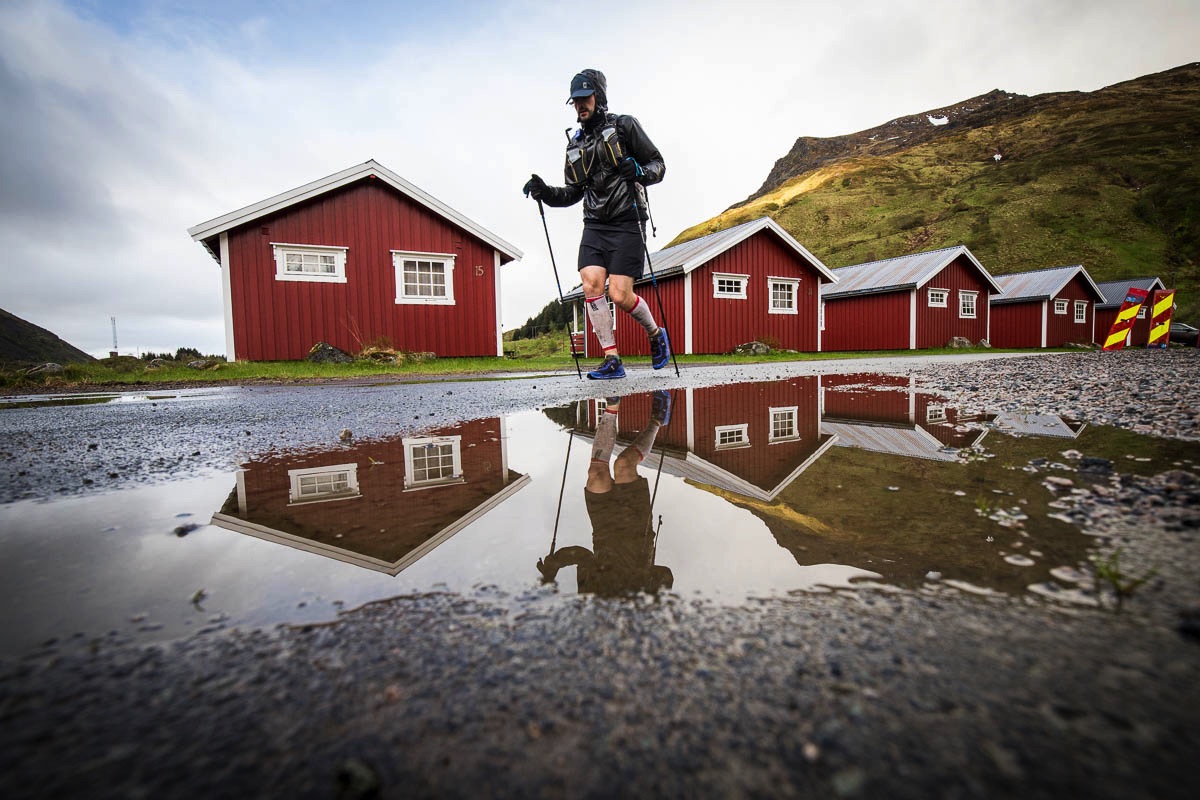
(379, 504)
(1019, 424)
(751, 439)
(885, 414)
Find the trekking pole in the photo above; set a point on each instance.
(558, 283)
(649, 263)
(558, 513)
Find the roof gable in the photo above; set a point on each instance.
(1041, 284)
(688, 256)
(1114, 291)
(206, 231)
(902, 272)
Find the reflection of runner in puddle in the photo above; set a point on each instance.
(620, 508)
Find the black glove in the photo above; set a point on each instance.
(535, 187)
(629, 170)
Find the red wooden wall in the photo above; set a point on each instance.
(281, 320)
(1062, 328)
(1018, 324)
(937, 326)
(867, 322)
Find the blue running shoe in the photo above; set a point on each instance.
(611, 368)
(660, 349)
(660, 407)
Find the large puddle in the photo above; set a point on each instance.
(726, 493)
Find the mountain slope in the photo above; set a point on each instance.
(23, 342)
(1109, 179)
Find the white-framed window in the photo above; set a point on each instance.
(432, 461)
(731, 436)
(966, 304)
(785, 424)
(784, 294)
(309, 262)
(424, 278)
(1060, 306)
(729, 286)
(938, 298)
(935, 413)
(317, 484)
(1142, 312)
(1081, 310)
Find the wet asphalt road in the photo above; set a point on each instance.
(846, 694)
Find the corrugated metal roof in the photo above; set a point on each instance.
(1038, 425)
(902, 272)
(685, 257)
(1041, 284)
(910, 442)
(1114, 291)
(206, 230)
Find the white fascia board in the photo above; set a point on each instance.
(953, 254)
(705, 255)
(323, 185)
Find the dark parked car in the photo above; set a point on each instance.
(1182, 333)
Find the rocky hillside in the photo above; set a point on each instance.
(22, 342)
(1109, 179)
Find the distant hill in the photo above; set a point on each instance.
(1109, 179)
(23, 342)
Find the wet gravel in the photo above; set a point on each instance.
(867, 693)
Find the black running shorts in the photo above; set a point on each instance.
(617, 248)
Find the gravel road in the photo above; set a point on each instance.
(867, 693)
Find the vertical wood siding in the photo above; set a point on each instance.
(867, 397)
(282, 320)
(1062, 328)
(937, 326)
(1018, 324)
(868, 322)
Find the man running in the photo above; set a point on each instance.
(610, 161)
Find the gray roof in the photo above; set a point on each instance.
(205, 231)
(1114, 291)
(902, 272)
(685, 257)
(1041, 284)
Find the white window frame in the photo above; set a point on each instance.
(1060, 307)
(945, 295)
(740, 280)
(794, 283)
(283, 249)
(962, 298)
(447, 262)
(935, 413)
(735, 436)
(300, 494)
(1142, 312)
(792, 414)
(1081, 312)
(410, 448)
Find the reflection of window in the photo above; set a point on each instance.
(783, 295)
(1081, 310)
(937, 298)
(728, 436)
(432, 461)
(309, 262)
(1060, 306)
(784, 424)
(424, 278)
(935, 414)
(725, 285)
(323, 483)
(966, 304)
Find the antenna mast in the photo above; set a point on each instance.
(113, 354)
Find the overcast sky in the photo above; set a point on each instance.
(125, 123)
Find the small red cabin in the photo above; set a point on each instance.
(908, 303)
(1045, 308)
(353, 258)
(1114, 295)
(751, 282)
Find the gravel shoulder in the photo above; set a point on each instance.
(868, 693)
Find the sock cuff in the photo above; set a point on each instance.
(593, 299)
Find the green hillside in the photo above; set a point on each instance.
(1109, 179)
(22, 342)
